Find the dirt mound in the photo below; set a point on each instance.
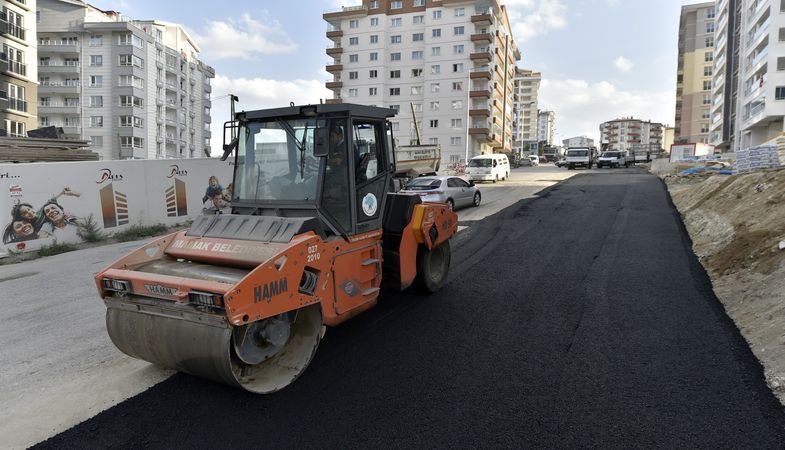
(736, 224)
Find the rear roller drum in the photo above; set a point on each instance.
(433, 267)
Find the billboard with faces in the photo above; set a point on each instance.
(44, 203)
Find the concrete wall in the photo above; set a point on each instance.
(118, 194)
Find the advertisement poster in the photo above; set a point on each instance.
(44, 203)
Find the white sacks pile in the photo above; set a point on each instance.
(754, 158)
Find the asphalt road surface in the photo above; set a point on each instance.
(581, 318)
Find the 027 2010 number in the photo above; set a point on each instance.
(313, 253)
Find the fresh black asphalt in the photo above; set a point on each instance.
(580, 319)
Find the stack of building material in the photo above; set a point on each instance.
(755, 158)
(26, 150)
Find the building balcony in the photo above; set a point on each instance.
(56, 87)
(57, 108)
(481, 72)
(335, 51)
(334, 34)
(482, 38)
(481, 56)
(480, 93)
(16, 104)
(479, 112)
(334, 84)
(483, 132)
(11, 29)
(58, 47)
(333, 101)
(482, 19)
(334, 68)
(72, 68)
(15, 67)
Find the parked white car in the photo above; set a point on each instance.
(455, 192)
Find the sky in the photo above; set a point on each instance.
(599, 59)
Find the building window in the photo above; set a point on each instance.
(704, 128)
(395, 74)
(396, 126)
(707, 85)
(131, 60)
(458, 67)
(417, 107)
(457, 49)
(434, 106)
(374, 21)
(417, 54)
(372, 91)
(460, 12)
(96, 60)
(395, 39)
(97, 141)
(15, 129)
(457, 104)
(395, 56)
(782, 34)
(374, 4)
(96, 101)
(708, 56)
(435, 69)
(435, 88)
(434, 123)
(709, 41)
(96, 121)
(433, 141)
(352, 75)
(436, 51)
(710, 27)
(710, 13)
(416, 90)
(705, 114)
(419, 3)
(779, 93)
(374, 38)
(436, 32)
(418, 20)
(395, 91)
(396, 4)
(457, 30)
(353, 58)
(374, 56)
(455, 141)
(417, 37)
(373, 74)
(456, 123)
(437, 14)
(131, 141)
(397, 22)
(397, 108)
(457, 85)
(96, 80)
(706, 99)
(96, 40)
(354, 40)
(352, 92)
(354, 23)
(707, 71)
(781, 60)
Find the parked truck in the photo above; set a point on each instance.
(580, 157)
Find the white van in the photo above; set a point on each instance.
(488, 168)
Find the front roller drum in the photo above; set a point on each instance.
(206, 345)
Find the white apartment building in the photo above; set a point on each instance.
(135, 89)
(546, 121)
(761, 63)
(524, 116)
(578, 141)
(724, 96)
(453, 60)
(18, 71)
(628, 134)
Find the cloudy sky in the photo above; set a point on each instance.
(600, 59)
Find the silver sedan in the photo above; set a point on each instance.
(454, 191)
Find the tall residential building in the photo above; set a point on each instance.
(725, 85)
(453, 60)
(761, 80)
(546, 121)
(135, 89)
(694, 73)
(629, 134)
(18, 71)
(578, 141)
(526, 88)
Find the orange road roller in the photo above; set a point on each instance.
(314, 233)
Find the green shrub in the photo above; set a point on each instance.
(89, 231)
(135, 232)
(56, 248)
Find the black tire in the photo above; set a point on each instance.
(496, 179)
(450, 204)
(433, 266)
(570, 167)
(477, 199)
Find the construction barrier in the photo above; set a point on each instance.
(44, 203)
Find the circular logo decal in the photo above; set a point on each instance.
(370, 204)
